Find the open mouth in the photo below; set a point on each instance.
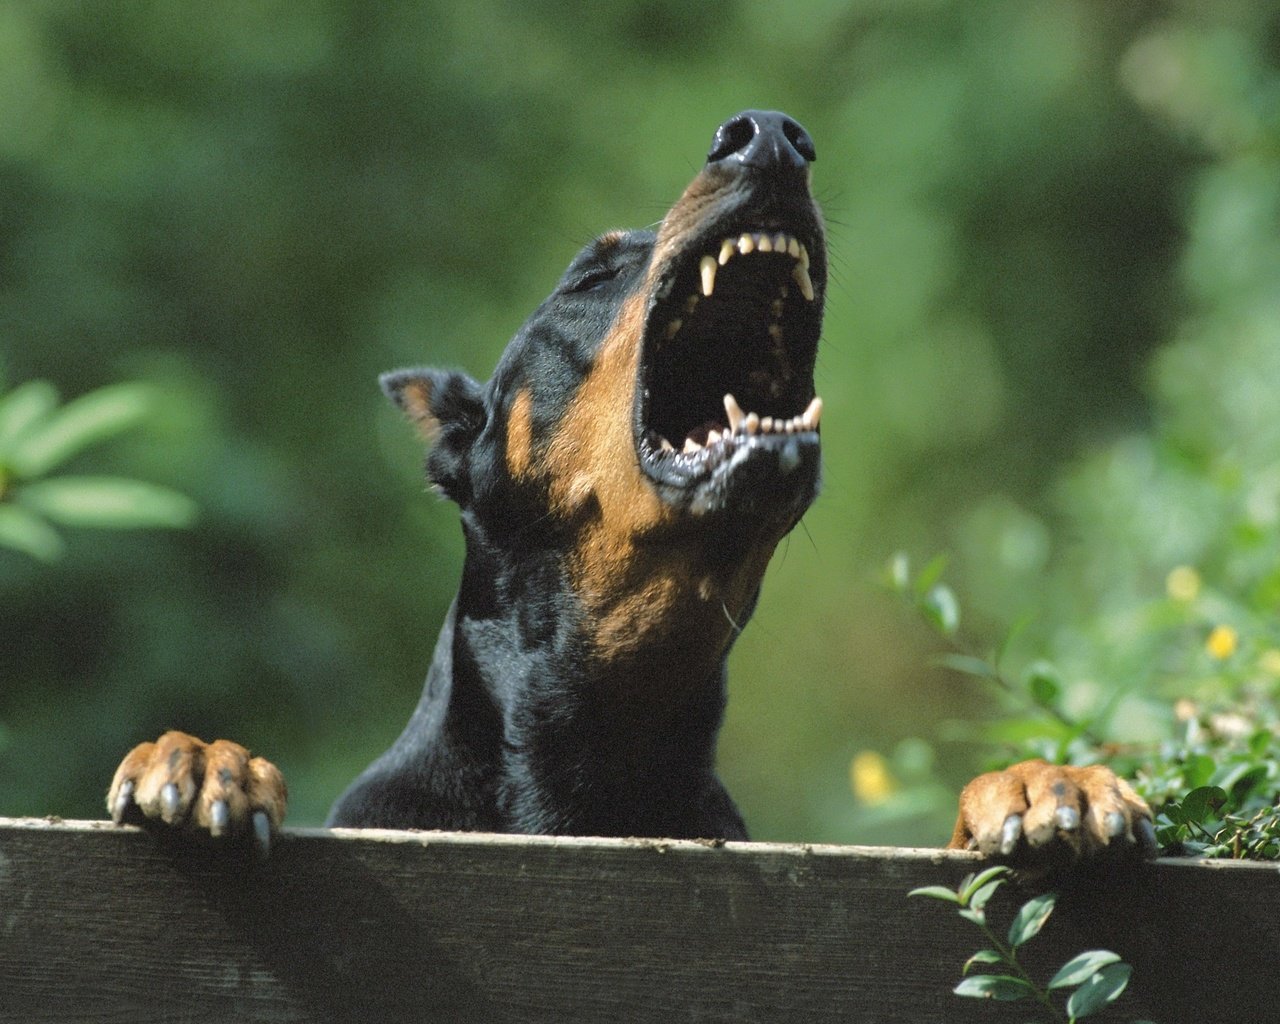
(727, 364)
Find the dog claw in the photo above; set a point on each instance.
(123, 799)
(1145, 832)
(1010, 833)
(219, 817)
(262, 833)
(1067, 818)
(1115, 825)
(170, 802)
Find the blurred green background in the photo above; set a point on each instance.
(1053, 315)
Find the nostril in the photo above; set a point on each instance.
(766, 140)
(799, 139)
(732, 136)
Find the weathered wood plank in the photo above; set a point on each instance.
(105, 924)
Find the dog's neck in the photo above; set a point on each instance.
(580, 738)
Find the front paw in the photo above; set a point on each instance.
(215, 788)
(1044, 818)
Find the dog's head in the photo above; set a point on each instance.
(655, 418)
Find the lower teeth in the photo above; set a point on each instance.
(749, 424)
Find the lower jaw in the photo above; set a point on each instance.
(759, 482)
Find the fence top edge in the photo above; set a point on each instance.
(53, 823)
(486, 840)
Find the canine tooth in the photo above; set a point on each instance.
(673, 328)
(727, 248)
(813, 414)
(779, 242)
(801, 276)
(734, 411)
(708, 275)
(752, 423)
(804, 257)
(691, 446)
(746, 244)
(764, 243)
(793, 248)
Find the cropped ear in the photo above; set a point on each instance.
(436, 400)
(448, 409)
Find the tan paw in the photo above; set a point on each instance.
(1045, 817)
(215, 788)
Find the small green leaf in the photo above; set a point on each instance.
(1043, 683)
(26, 532)
(936, 892)
(1098, 991)
(108, 502)
(1202, 803)
(978, 916)
(983, 956)
(978, 901)
(1079, 968)
(22, 407)
(972, 883)
(942, 609)
(91, 418)
(994, 986)
(1031, 918)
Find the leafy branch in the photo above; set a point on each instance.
(1093, 979)
(38, 436)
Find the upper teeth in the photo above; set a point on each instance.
(759, 241)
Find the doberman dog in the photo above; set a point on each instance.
(648, 437)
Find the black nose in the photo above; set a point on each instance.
(762, 138)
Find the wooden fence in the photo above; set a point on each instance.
(106, 924)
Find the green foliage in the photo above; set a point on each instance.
(37, 437)
(1212, 781)
(1216, 786)
(1090, 981)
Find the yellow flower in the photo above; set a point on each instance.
(1222, 642)
(1182, 584)
(870, 778)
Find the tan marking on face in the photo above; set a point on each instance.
(520, 435)
(641, 590)
(593, 452)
